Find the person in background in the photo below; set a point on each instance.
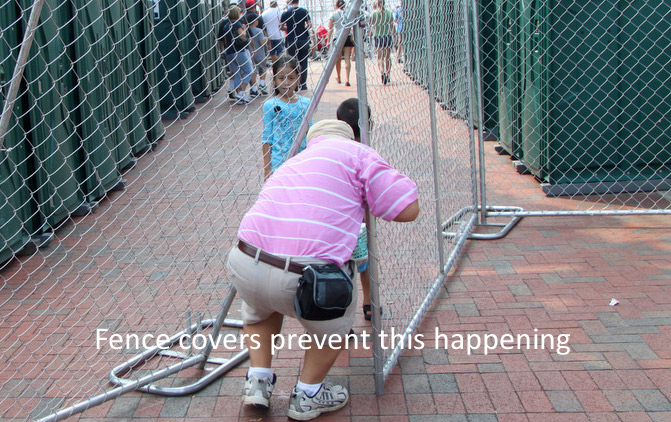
(309, 212)
(238, 57)
(398, 20)
(382, 21)
(298, 23)
(225, 40)
(271, 18)
(282, 114)
(336, 23)
(252, 8)
(259, 56)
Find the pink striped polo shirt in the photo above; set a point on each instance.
(313, 205)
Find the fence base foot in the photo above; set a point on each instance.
(119, 186)
(131, 165)
(500, 150)
(144, 150)
(505, 228)
(222, 365)
(521, 167)
(85, 209)
(36, 242)
(187, 360)
(174, 115)
(490, 135)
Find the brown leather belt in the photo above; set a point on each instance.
(269, 259)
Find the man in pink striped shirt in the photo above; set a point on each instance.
(309, 211)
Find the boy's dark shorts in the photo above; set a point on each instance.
(384, 41)
(276, 47)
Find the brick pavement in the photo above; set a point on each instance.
(554, 275)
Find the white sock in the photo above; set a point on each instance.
(262, 83)
(309, 389)
(260, 372)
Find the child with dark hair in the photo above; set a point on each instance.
(282, 114)
(348, 112)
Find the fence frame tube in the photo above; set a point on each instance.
(477, 71)
(20, 67)
(434, 131)
(371, 222)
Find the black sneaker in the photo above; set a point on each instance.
(253, 93)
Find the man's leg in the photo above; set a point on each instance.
(262, 333)
(303, 54)
(318, 362)
(261, 380)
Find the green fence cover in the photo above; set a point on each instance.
(55, 146)
(595, 91)
(171, 32)
(93, 109)
(15, 203)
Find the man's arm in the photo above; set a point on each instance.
(410, 213)
(265, 149)
(390, 195)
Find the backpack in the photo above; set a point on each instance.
(225, 34)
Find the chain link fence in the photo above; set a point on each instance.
(125, 168)
(422, 114)
(578, 95)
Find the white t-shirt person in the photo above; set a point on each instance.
(271, 18)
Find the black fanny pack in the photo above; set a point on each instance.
(324, 292)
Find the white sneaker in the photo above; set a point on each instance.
(242, 98)
(329, 398)
(257, 391)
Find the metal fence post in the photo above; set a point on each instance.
(24, 51)
(470, 72)
(434, 133)
(371, 224)
(475, 70)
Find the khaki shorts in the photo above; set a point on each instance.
(265, 290)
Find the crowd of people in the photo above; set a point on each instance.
(252, 40)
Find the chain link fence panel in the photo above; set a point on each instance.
(421, 122)
(125, 167)
(578, 96)
(129, 158)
